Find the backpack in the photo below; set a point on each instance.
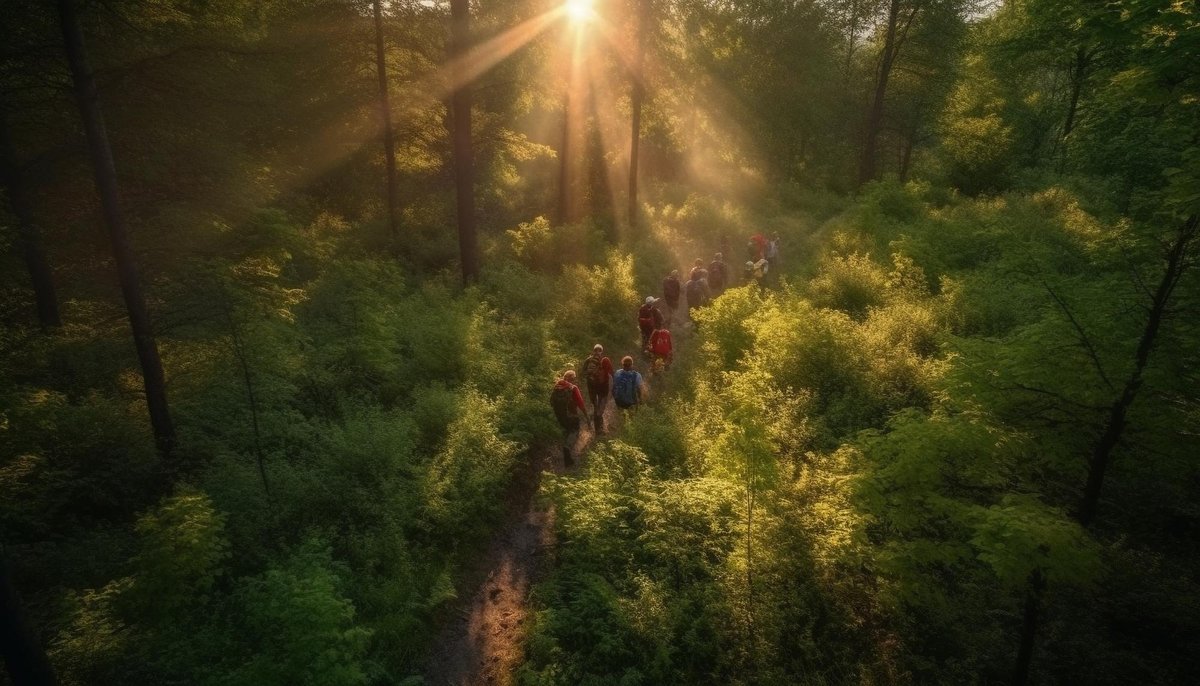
(593, 370)
(561, 401)
(625, 388)
(646, 317)
(695, 293)
(661, 343)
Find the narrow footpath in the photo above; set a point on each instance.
(485, 641)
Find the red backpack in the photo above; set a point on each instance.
(661, 343)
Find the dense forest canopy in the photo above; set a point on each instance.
(287, 284)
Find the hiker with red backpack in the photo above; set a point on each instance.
(568, 406)
(649, 319)
(756, 249)
(598, 371)
(661, 350)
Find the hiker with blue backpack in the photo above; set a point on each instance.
(629, 388)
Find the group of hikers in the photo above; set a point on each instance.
(655, 316)
(626, 386)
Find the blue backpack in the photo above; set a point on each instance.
(625, 388)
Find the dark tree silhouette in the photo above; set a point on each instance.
(23, 653)
(385, 114)
(105, 172)
(29, 235)
(464, 162)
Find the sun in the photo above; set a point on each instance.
(579, 10)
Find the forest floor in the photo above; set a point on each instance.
(484, 642)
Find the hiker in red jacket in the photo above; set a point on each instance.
(568, 406)
(649, 319)
(598, 371)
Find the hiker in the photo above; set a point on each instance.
(629, 388)
(717, 274)
(567, 402)
(661, 348)
(756, 249)
(671, 290)
(754, 272)
(698, 271)
(598, 370)
(649, 319)
(773, 252)
(697, 295)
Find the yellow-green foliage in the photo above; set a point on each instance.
(850, 283)
(472, 466)
(182, 550)
(597, 304)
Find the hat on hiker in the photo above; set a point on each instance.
(649, 299)
(597, 348)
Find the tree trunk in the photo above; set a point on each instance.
(566, 214)
(29, 236)
(1029, 625)
(106, 184)
(23, 654)
(1177, 264)
(385, 114)
(851, 39)
(1078, 72)
(570, 140)
(867, 168)
(239, 353)
(637, 96)
(464, 163)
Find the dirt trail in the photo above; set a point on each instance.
(485, 642)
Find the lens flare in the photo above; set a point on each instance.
(579, 10)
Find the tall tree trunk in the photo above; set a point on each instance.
(566, 214)
(385, 114)
(867, 168)
(239, 353)
(1078, 74)
(106, 184)
(637, 96)
(1029, 624)
(464, 163)
(23, 653)
(851, 38)
(29, 236)
(572, 145)
(1177, 264)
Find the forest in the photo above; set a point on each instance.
(287, 284)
